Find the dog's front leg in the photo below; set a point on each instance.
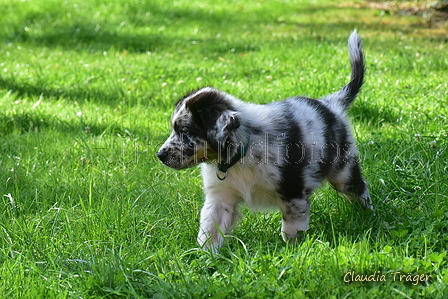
(217, 216)
(296, 217)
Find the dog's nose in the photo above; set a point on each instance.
(162, 155)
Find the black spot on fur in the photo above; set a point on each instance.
(207, 106)
(307, 192)
(255, 130)
(357, 185)
(296, 209)
(292, 181)
(335, 136)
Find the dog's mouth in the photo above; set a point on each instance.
(186, 156)
(178, 161)
(171, 160)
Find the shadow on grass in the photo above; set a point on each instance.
(372, 113)
(140, 33)
(83, 36)
(142, 27)
(76, 93)
(29, 122)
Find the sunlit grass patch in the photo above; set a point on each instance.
(86, 93)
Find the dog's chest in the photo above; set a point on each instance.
(258, 197)
(254, 185)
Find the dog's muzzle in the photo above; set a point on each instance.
(172, 158)
(163, 155)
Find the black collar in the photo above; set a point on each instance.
(223, 166)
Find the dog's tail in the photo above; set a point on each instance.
(342, 99)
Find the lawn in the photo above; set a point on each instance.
(86, 93)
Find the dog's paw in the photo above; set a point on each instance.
(289, 239)
(207, 243)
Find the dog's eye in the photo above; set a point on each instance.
(184, 130)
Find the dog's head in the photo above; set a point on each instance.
(204, 126)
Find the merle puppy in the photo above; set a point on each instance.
(268, 156)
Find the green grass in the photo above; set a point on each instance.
(86, 92)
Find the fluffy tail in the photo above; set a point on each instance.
(344, 97)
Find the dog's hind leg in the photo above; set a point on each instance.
(350, 182)
(296, 217)
(217, 216)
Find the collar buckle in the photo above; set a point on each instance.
(218, 172)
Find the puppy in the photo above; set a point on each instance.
(268, 156)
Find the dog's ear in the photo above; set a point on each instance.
(214, 113)
(220, 134)
(207, 105)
